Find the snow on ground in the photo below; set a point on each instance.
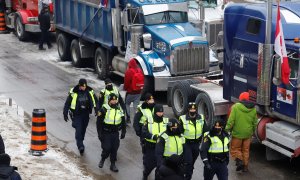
(55, 164)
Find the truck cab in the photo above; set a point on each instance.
(166, 45)
(246, 69)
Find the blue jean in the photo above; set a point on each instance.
(131, 98)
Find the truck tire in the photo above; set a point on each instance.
(63, 46)
(205, 107)
(193, 92)
(75, 53)
(100, 62)
(181, 95)
(20, 29)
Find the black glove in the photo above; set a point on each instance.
(155, 137)
(123, 134)
(66, 117)
(207, 165)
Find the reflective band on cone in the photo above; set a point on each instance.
(38, 132)
(2, 22)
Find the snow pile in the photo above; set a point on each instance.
(55, 164)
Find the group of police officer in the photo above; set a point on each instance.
(169, 145)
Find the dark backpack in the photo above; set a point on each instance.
(137, 82)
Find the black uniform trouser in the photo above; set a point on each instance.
(44, 38)
(190, 155)
(110, 144)
(149, 158)
(80, 124)
(219, 168)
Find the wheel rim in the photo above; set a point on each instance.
(60, 47)
(74, 55)
(98, 63)
(19, 27)
(202, 109)
(178, 100)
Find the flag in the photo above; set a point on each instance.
(279, 47)
(104, 3)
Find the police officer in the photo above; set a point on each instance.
(104, 93)
(144, 113)
(80, 102)
(150, 132)
(192, 124)
(214, 152)
(111, 119)
(169, 143)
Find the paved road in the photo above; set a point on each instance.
(37, 79)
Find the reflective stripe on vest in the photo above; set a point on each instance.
(157, 128)
(107, 93)
(190, 130)
(113, 116)
(216, 144)
(147, 115)
(74, 98)
(173, 145)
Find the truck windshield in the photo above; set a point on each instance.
(166, 17)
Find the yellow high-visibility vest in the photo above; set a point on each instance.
(113, 116)
(74, 98)
(106, 94)
(173, 145)
(216, 144)
(147, 114)
(192, 131)
(157, 128)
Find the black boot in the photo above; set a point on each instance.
(113, 167)
(239, 165)
(101, 163)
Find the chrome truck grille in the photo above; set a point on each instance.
(188, 60)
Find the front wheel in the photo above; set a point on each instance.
(100, 61)
(20, 29)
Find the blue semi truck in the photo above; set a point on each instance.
(250, 65)
(155, 32)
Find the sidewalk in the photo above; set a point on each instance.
(55, 164)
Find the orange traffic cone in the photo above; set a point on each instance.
(38, 132)
(2, 22)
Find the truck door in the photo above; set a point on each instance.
(285, 96)
(251, 33)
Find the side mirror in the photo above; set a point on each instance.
(277, 71)
(147, 40)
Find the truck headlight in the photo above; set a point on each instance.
(161, 46)
(158, 68)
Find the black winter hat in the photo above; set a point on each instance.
(148, 96)
(82, 82)
(158, 108)
(112, 96)
(173, 123)
(4, 159)
(107, 81)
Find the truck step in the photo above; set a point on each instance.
(277, 148)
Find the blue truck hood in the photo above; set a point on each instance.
(171, 32)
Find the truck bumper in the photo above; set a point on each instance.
(163, 83)
(32, 28)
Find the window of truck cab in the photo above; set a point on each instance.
(166, 17)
